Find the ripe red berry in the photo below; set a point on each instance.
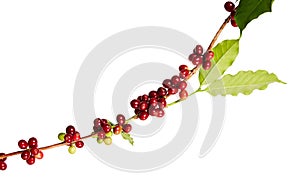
(40, 155)
(161, 92)
(76, 136)
(153, 102)
(32, 142)
(192, 56)
(167, 83)
(22, 144)
(70, 129)
(153, 94)
(143, 106)
(101, 134)
(184, 73)
(117, 129)
(182, 85)
(34, 151)
(31, 160)
(4, 159)
(233, 23)
(183, 94)
(3, 165)
(229, 6)
(104, 121)
(79, 144)
(198, 50)
(206, 65)
(172, 91)
(120, 119)
(160, 112)
(153, 111)
(127, 128)
(25, 155)
(135, 103)
(183, 67)
(232, 15)
(106, 128)
(143, 115)
(68, 138)
(197, 60)
(175, 80)
(209, 55)
(97, 122)
(163, 102)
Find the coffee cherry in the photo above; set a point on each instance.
(160, 112)
(72, 149)
(70, 129)
(79, 144)
(143, 106)
(4, 159)
(232, 15)
(101, 134)
(3, 165)
(22, 144)
(197, 60)
(97, 122)
(167, 83)
(229, 6)
(175, 80)
(153, 111)
(209, 55)
(183, 67)
(106, 128)
(104, 121)
(153, 94)
(184, 73)
(120, 119)
(25, 155)
(192, 56)
(32, 142)
(172, 91)
(30, 160)
(127, 128)
(143, 115)
(198, 50)
(182, 85)
(99, 141)
(107, 141)
(206, 65)
(68, 138)
(61, 136)
(163, 102)
(117, 129)
(153, 102)
(76, 136)
(40, 155)
(34, 151)
(109, 134)
(183, 94)
(161, 92)
(135, 103)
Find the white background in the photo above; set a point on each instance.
(42, 46)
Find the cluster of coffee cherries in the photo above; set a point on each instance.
(3, 165)
(230, 7)
(199, 58)
(105, 129)
(72, 138)
(31, 150)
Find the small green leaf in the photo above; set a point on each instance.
(243, 82)
(126, 136)
(225, 54)
(249, 10)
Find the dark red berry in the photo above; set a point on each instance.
(206, 65)
(175, 80)
(34, 151)
(183, 67)
(104, 121)
(117, 129)
(172, 91)
(232, 15)
(32, 142)
(153, 94)
(4, 159)
(161, 92)
(106, 128)
(137, 111)
(233, 23)
(152, 111)
(143, 106)
(153, 102)
(183, 94)
(25, 155)
(184, 73)
(167, 83)
(182, 85)
(22, 144)
(68, 138)
(120, 119)
(192, 56)
(143, 115)
(197, 60)
(229, 6)
(101, 134)
(135, 103)
(145, 97)
(163, 102)
(76, 136)
(3, 165)
(160, 112)
(127, 128)
(31, 160)
(198, 50)
(97, 122)
(70, 129)
(79, 144)
(209, 55)
(140, 98)
(40, 155)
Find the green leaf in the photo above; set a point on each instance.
(243, 82)
(225, 54)
(126, 136)
(248, 10)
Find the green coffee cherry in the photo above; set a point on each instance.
(61, 136)
(108, 140)
(72, 149)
